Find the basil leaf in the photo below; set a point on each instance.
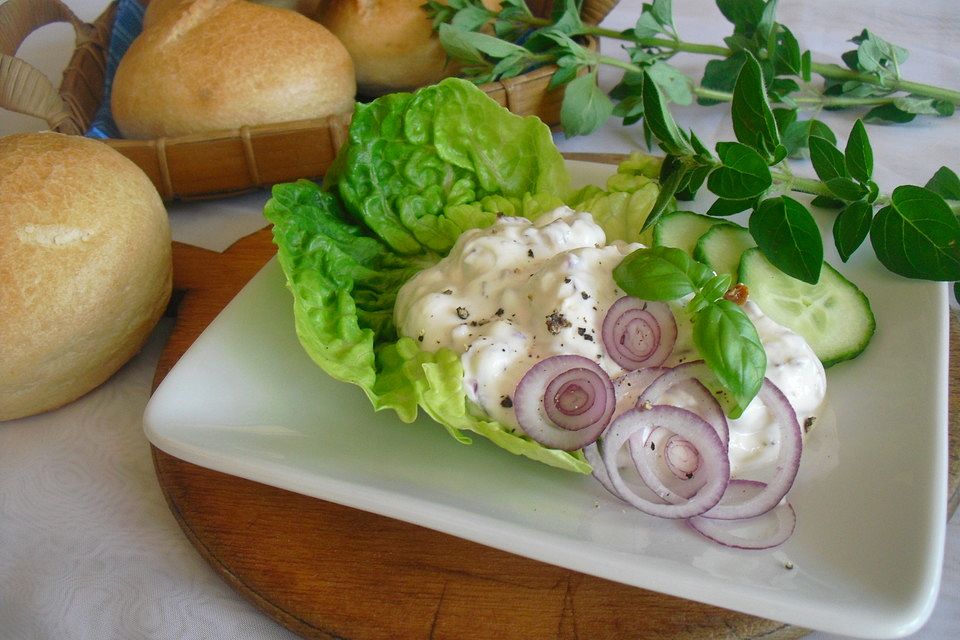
(828, 161)
(743, 174)
(945, 183)
(660, 273)
(917, 235)
(858, 154)
(851, 227)
(789, 237)
(729, 344)
(753, 121)
(585, 106)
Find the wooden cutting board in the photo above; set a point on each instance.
(328, 571)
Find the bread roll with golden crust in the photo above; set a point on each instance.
(85, 267)
(221, 64)
(392, 42)
(157, 8)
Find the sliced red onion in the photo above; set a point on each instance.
(714, 465)
(765, 531)
(574, 405)
(564, 402)
(658, 464)
(686, 377)
(631, 385)
(594, 456)
(637, 333)
(787, 465)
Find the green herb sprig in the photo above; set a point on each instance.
(871, 78)
(914, 230)
(722, 333)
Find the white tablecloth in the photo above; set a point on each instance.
(88, 548)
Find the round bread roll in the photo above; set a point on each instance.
(158, 8)
(85, 267)
(221, 64)
(392, 42)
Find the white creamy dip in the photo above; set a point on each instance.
(519, 291)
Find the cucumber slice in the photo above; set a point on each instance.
(834, 316)
(721, 246)
(682, 229)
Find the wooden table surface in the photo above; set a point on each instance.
(328, 571)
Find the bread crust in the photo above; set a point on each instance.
(214, 65)
(392, 42)
(85, 267)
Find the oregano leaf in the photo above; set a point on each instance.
(858, 154)
(851, 227)
(585, 106)
(743, 174)
(658, 117)
(888, 113)
(846, 189)
(828, 161)
(753, 121)
(917, 235)
(945, 183)
(789, 237)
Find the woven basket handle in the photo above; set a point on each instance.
(23, 88)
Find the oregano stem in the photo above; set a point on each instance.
(829, 71)
(810, 186)
(811, 101)
(836, 72)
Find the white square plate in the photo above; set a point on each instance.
(871, 497)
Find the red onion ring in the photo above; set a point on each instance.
(714, 464)
(689, 375)
(787, 465)
(637, 333)
(594, 456)
(653, 465)
(770, 529)
(631, 385)
(564, 402)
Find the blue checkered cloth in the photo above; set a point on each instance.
(127, 25)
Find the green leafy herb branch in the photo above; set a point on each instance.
(914, 230)
(504, 44)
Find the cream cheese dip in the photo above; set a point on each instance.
(519, 291)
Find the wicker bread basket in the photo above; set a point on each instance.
(219, 163)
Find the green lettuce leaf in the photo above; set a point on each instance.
(417, 170)
(623, 207)
(412, 159)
